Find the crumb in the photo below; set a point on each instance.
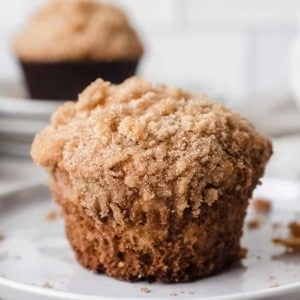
(253, 224)
(173, 294)
(243, 253)
(145, 290)
(78, 18)
(292, 242)
(271, 277)
(274, 285)
(51, 215)
(261, 205)
(3, 255)
(47, 285)
(258, 257)
(194, 149)
(1, 237)
(191, 293)
(294, 228)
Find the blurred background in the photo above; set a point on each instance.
(233, 48)
(240, 52)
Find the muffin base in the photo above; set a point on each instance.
(65, 80)
(104, 249)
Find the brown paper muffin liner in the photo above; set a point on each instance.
(65, 80)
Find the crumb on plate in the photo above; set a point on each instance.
(294, 228)
(145, 290)
(253, 224)
(51, 215)
(261, 205)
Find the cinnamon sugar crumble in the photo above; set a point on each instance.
(292, 242)
(261, 205)
(52, 215)
(73, 30)
(145, 290)
(253, 224)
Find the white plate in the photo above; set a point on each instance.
(23, 107)
(35, 251)
(14, 104)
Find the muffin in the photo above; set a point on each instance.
(153, 181)
(67, 44)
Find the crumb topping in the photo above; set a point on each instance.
(47, 285)
(139, 144)
(73, 30)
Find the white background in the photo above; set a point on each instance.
(229, 49)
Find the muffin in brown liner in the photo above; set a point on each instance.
(65, 80)
(154, 182)
(67, 44)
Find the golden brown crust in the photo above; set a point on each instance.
(157, 174)
(73, 30)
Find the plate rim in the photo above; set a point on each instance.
(289, 289)
(35, 108)
(14, 286)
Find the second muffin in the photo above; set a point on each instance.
(67, 44)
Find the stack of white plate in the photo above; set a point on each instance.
(20, 120)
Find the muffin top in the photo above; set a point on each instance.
(163, 142)
(75, 30)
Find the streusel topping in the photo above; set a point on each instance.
(72, 30)
(161, 141)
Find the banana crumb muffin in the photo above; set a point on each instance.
(154, 182)
(67, 44)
